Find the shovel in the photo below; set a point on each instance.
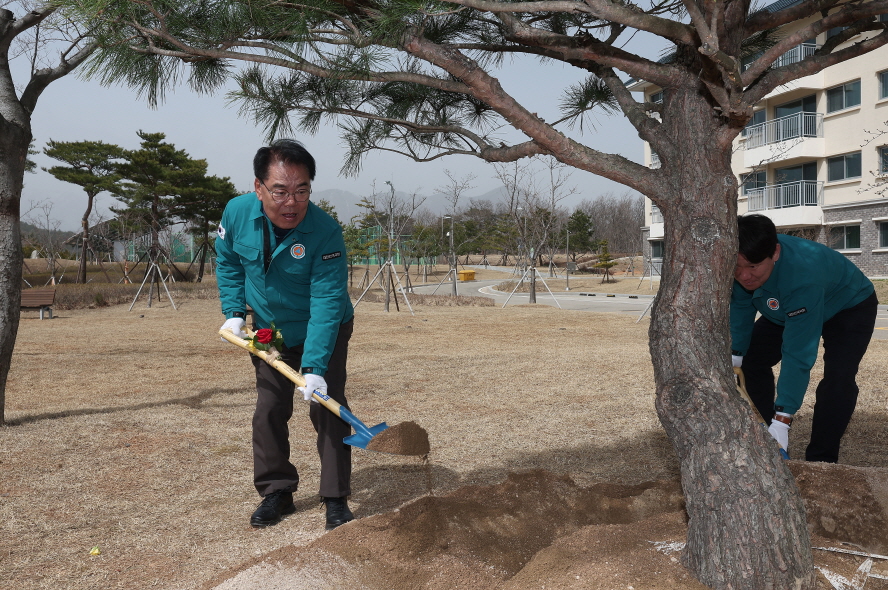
(741, 387)
(363, 434)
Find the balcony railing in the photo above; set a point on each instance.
(808, 193)
(788, 127)
(794, 55)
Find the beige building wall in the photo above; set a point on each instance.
(853, 209)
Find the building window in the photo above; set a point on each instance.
(883, 84)
(656, 216)
(883, 160)
(883, 234)
(844, 167)
(656, 248)
(657, 97)
(844, 237)
(754, 181)
(843, 97)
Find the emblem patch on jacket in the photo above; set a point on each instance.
(331, 255)
(221, 232)
(799, 311)
(297, 251)
(773, 304)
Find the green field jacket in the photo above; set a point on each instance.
(810, 284)
(305, 290)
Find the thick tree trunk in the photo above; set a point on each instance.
(14, 143)
(84, 223)
(746, 526)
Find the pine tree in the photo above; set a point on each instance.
(91, 165)
(606, 262)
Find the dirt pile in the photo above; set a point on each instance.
(474, 537)
(406, 438)
(846, 504)
(541, 530)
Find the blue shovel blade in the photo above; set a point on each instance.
(362, 436)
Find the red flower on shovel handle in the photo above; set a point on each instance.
(267, 339)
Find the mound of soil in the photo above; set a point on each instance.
(406, 438)
(541, 530)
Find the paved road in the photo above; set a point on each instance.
(632, 304)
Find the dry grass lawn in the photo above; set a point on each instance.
(130, 431)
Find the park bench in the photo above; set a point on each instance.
(41, 299)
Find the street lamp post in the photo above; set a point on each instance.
(450, 258)
(567, 262)
(524, 246)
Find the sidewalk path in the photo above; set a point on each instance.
(580, 300)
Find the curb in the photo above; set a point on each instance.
(621, 295)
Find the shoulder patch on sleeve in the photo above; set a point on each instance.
(799, 311)
(331, 255)
(221, 232)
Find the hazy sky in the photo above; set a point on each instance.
(72, 109)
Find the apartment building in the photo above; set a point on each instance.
(814, 158)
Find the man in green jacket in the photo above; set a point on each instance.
(285, 257)
(803, 291)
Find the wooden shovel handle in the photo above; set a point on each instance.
(285, 369)
(741, 387)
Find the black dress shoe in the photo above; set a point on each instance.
(273, 506)
(337, 512)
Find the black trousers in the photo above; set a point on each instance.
(845, 339)
(272, 469)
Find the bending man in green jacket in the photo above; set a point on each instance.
(804, 291)
(285, 257)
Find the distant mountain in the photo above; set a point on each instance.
(345, 203)
(32, 230)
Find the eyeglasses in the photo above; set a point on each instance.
(280, 197)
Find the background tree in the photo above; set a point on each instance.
(92, 165)
(45, 237)
(327, 206)
(605, 261)
(156, 179)
(425, 243)
(582, 233)
(389, 215)
(40, 31)
(201, 207)
(618, 219)
(31, 165)
(480, 219)
(422, 81)
(355, 247)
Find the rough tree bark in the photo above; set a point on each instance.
(740, 495)
(15, 137)
(84, 246)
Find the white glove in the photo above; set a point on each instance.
(736, 360)
(780, 431)
(236, 325)
(313, 383)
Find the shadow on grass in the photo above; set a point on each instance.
(193, 401)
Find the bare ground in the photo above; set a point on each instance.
(129, 432)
